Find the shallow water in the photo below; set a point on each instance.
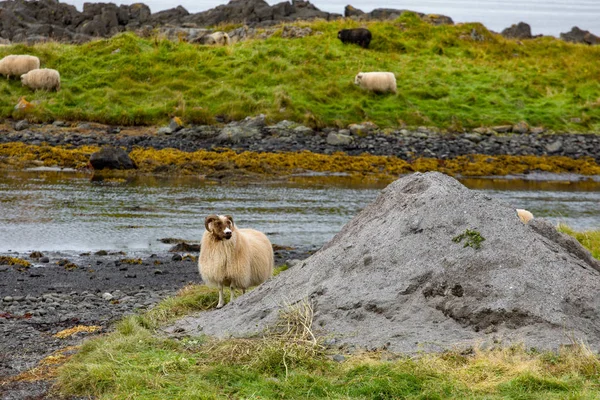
(56, 211)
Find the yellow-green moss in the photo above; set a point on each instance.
(226, 163)
(6, 260)
(131, 261)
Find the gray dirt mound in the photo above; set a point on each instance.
(394, 277)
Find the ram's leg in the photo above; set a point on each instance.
(232, 294)
(220, 297)
(243, 291)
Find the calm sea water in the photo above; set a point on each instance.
(54, 211)
(548, 17)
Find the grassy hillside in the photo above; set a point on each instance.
(445, 78)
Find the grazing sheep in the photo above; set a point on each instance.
(360, 36)
(44, 78)
(219, 38)
(17, 65)
(524, 215)
(238, 258)
(380, 82)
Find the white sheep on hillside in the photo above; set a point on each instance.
(238, 258)
(379, 82)
(219, 38)
(524, 215)
(17, 65)
(44, 78)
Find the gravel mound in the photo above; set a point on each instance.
(432, 265)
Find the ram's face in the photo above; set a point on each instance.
(358, 78)
(339, 34)
(221, 226)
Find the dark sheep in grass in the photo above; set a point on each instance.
(359, 36)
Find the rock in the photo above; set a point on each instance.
(184, 247)
(233, 133)
(363, 128)
(107, 296)
(303, 130)
(21, 125)
(473, 137)
(44, 260)
(537, 130)
(576, 35)
(101, 253)
(8, 299)
(176, 124)
(520, 127)
(338, 139)
(350, 11)
(433, 266)
(518, 31)
(36, 254)
(165, 130)
(338, 358)
(111, 158)
(554, 147)
(436, 19)
(502, 128)
(292, 32)
(60, 124)
(176, 257)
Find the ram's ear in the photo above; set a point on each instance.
(229, 217)
(210, 219)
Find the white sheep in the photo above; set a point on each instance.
(44, 78)
(380, 82)
(219, 38)
(238, 258)
(17, 65)
(524, 215)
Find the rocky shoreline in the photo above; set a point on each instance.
(31, 22)
(63, 291)
(254, 134)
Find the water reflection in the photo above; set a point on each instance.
(46, 210)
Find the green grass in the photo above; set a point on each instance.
(445, 79)
(589, 239)
(136, 361)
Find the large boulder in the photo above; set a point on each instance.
(518, 31)
(111, 158)
(576, 35)
(431, 265)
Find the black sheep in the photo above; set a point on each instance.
(360, 36)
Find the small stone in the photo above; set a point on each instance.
(554, 146)
(107, 296)
(502, 128)
(36, 254)
(158, 272)
(101, 253)
(520, 127)
(21, 125)
(176, 257)
(44, 260)
(176, 124)
(8, 299)
(337, 139)
(339, 358)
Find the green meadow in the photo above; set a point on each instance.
(446, 78)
